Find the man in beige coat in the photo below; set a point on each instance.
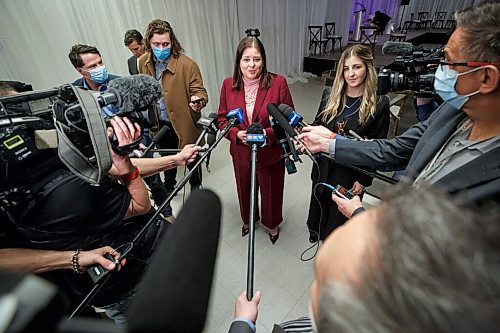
(183, 92)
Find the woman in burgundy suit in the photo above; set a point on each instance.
(252, 88)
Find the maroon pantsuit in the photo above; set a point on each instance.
(270, 167)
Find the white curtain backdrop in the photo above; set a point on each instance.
(36, 36)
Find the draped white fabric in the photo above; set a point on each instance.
(36, 36)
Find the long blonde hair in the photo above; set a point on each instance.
(338, 95)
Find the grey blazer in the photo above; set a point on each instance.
(475, 181)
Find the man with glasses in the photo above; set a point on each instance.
(458, 147)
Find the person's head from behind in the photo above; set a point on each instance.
(88, 62)
(7, 89)
(470, 75)
(160, 39)
(134, 42)
(250, 63)
(418, 263)
(355, 76)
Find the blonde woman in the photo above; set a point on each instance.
(351, 104)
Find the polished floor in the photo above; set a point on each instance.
(281, 274)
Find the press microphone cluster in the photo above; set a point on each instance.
(294, 119)
(256, 135)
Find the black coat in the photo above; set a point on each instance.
(334, 173)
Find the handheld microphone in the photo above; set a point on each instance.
(273, 111)
(208, 124)
(153, 143)
(294, 119)
(255, 135)
(235, 117)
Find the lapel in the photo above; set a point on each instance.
(435, 136)
(482, 169)
(240, 100)
(261, 97)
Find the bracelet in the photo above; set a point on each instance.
(74, 262)
(130, 176)
(332, 135)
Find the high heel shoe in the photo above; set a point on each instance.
(244, 230)
(275, 237)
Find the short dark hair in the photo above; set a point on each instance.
(434, 267)
(238, 75)
(77, 50)
(160, 27)
(132, 36)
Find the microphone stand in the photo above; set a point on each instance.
(98, 285)
(251, 236)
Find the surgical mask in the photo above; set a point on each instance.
(99, 75)
(311, 316)
(161, 54)
(444, 84)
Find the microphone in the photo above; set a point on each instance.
(397, 48)
(255, 135)
(131, 93)
(235, 117)
(294, 119)
(174, 292)
(208, 124)
(273, 111)
(156, 139)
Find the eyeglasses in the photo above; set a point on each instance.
(468, 64)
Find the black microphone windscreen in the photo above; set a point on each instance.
(273, 111)
(211, 139)
(161, 133)
(397, 48)
(174, 293)
(136, 92)
(255, 128)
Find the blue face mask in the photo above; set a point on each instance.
(99, 75)
(161, 54)
(444, 84)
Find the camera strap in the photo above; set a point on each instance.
(91, 171)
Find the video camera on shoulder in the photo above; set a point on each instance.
(413, 69)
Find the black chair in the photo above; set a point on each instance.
(397, 37)
(369, 37)
(425, 20)
(330, 35)
(439, 17)
(412, 23)
(450, 23)
(316, 38)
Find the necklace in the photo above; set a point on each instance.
(355, 101)
(340, 124)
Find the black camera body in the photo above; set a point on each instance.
(414, 72)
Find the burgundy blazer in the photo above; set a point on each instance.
(231, 99)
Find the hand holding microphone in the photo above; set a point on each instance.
(187, 155)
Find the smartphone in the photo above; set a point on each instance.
(343, 192)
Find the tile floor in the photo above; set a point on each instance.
(280, 274)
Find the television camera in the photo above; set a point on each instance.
(412, 69)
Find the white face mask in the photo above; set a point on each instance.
(311, 316)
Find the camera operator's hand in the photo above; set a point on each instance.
(247, 309)
(357, 188)
(187, 154)
(126, 133)
(89, 258)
